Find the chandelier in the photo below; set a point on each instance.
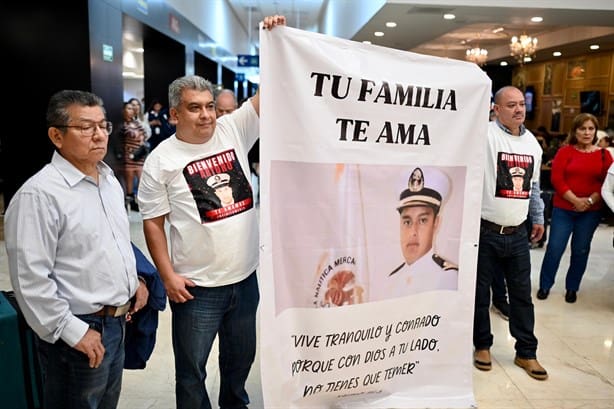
(477, 55)
(523, 48)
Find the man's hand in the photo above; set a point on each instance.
(537, 232)
(91, 345)
(176, 288)
(271, 21)
(140, 300)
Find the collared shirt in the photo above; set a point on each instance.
(505, 129)
(68, 247)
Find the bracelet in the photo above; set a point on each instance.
(590, 200)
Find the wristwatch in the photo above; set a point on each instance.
(590, 200)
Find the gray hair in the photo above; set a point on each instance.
(227, 91)
(192, 82)
(57, 110)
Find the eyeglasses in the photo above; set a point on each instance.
(88, 129)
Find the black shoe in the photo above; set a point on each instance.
(570, 296)
(503, 309)
(542, 294)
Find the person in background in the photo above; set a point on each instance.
(225, 102)
(605, 141)
(210, 272)
(607, 190)
(140, 116)
(503, 236)
(543, 137)
(159, 121)
(71, 261)
(132, 138)
(578, 171)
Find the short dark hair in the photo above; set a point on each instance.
(57, 110)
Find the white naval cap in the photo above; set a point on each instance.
(517, 171)
(426, 186)
(218, 180)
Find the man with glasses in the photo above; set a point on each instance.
(71, 262)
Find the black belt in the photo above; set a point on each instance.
(112, 311)
(501, 229)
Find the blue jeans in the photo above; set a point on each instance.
(499, 292)
(230, 313)
(510, 255)
(581, 227)
(68, 380)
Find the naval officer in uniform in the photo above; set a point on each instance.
(517, 174)
(220, 183)
(418, 207)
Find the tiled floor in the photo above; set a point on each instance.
(575, 346)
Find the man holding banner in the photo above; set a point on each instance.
(210, 273)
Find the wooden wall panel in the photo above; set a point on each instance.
(558, 78)
(598, 66)
(560, 81)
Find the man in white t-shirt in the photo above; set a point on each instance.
(512, 153)
(210, 274)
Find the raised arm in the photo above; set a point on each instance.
(268, 23)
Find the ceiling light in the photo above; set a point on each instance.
(391, 24)
(367, 42)
(523, 47)
(477, 55)
(449, 16)
(503, 63)
(498, 30)
(378, 34)
(537, 19)
(556, 54)
(594, 47)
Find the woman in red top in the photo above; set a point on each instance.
(578, 171)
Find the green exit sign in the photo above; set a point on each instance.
(107, 53)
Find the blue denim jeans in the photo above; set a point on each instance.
(499, 292)
(509, 255)
(581, 227)
(230, 313)
(68, 380)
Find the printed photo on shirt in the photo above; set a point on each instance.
(514, 174)
(219, 186)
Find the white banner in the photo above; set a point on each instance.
(371, 162)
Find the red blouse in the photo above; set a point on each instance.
(581, 172)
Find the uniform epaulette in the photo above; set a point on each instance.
(444, 264)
